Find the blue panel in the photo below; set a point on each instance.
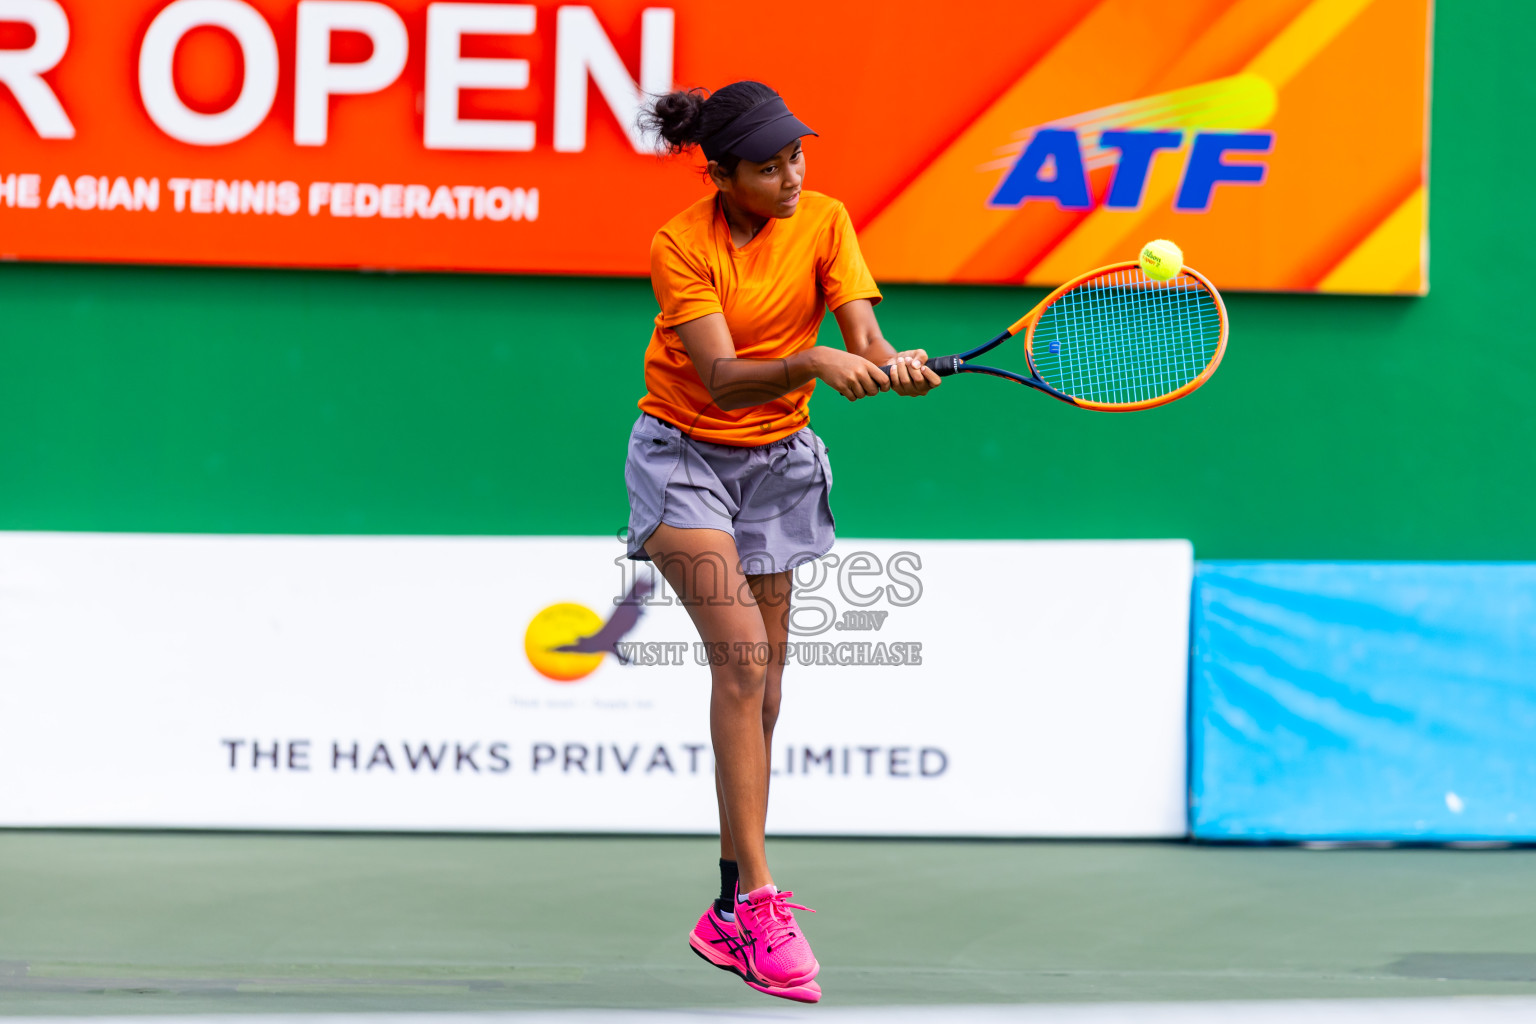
(1364, 701)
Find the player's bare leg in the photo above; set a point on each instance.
(703, 568)
(772, 592)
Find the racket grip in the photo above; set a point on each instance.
(944, 366)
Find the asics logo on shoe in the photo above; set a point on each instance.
(732, 943)
(747, 943)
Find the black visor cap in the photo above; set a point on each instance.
(757, 134)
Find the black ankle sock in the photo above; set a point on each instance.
(729, 876)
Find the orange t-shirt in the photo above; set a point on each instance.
(773, 292)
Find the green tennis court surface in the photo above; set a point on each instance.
(109, 923)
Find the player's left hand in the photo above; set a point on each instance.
(910, 377)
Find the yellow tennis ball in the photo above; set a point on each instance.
(1161, 259)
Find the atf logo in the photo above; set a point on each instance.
(567, 641)
(1056, 160)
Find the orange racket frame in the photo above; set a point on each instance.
(946, 366)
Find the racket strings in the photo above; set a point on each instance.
(1124, 338)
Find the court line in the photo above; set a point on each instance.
(1452, 1010)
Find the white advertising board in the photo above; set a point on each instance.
(986, 688)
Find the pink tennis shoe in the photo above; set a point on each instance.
(772, 943)
(717, 941)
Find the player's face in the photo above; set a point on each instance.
(769, 189)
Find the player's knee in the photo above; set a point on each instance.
(770, 712)
(740, 681)
(773, 694)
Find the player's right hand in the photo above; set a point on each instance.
(851, 376)
(910, 377)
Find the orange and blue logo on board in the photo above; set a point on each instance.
(1204, 123)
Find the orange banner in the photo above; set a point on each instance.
(1281, 143)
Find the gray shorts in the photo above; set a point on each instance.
(772, 498)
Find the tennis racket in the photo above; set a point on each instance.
(1114, 340)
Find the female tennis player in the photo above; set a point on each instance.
(728, 486)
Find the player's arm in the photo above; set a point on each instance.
(736, 383)
(862, 337)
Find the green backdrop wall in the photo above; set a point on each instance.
(168, 399)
